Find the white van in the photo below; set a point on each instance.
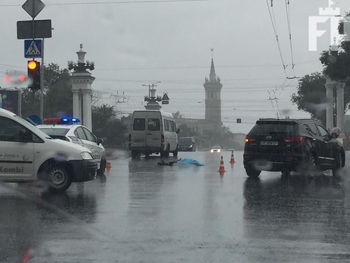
(153, 131)
(27, 154)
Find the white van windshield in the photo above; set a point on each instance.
(32, 127)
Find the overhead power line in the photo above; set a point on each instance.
(274, 27)
(290, 34)
(114, 2)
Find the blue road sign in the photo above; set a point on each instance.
(35, 118)
(32, 48)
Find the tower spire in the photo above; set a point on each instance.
(212, 75)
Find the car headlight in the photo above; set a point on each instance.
(219, 150)
(190, 146)
(86, 155)
(211, 150)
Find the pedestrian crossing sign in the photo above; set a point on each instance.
(32, 48)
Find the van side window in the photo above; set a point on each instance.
(166, 125)
(139, 124)
(153, 124)
(80, 133)
(172, 126)
(89, 135)
(10, 130)
(322, 131)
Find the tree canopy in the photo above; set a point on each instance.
(336, 64)
(58, 98)
(58, 101)
(311, 94)
(106, 125)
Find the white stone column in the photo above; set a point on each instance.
(340, 106)
(81, 85)
(81, 80)
(87, 109)
(76, 104)
(329, 108)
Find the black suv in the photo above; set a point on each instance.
(286, 145)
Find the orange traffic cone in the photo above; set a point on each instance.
(221, 168)
(108, 166)
(232, 158)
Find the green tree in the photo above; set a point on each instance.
(336, 64)
(311, 95)
(57, 94)
(106, 125)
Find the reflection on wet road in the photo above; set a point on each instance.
(144, 212)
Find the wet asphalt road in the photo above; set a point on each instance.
(144, 212)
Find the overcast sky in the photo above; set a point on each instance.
(136, 42)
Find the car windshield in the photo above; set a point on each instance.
(55, 131)
(134, 99)
(185, 140)
(32, 127)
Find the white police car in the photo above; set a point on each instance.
(67, 129)
(27, 154)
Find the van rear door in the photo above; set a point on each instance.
(153, 134)
(139, 130)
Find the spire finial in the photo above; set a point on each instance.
(212, 51)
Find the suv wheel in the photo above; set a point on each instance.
(311, 165)
(338, 164)
(103, 165)
(251, 172)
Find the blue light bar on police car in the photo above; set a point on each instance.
(57, 120)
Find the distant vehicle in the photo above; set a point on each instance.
(287, 145)
(215, 148)
(68, 130)
(187, 144)
(153, 131)
(27, 154)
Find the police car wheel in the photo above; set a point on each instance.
(102, 169)
(59, 179)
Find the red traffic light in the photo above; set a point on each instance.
(7, 79)
(22, 77)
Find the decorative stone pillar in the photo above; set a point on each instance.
(329, 108)
(76, 104)
(81, 87)
(340, 106)
(87, 108)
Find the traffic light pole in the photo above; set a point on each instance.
(42, 82)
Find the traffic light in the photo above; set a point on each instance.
(33, 67)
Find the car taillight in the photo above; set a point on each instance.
(249, 139)
(297, 139)
(162, 138)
